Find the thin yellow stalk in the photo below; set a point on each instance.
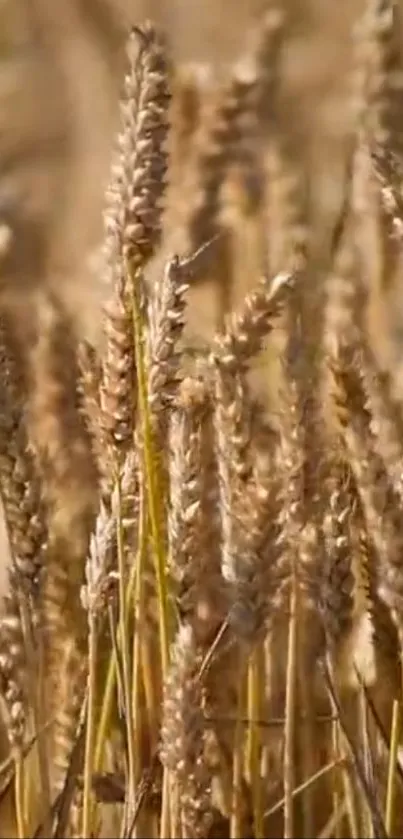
(350, 798)
(19, 794)
(106, 711)
(336, 791)
(137, 642)
(235, 830)
(165, 826)
(393, 757)
(107, 700)
(154, 494)
(333, 823)
(324, 770)
(253, 743)
(153, 488)
(290, 709)
(307, 744)
(348, 788)
(367, 822)
(125, 649)
(90, 727)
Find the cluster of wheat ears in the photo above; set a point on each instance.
(203, 627)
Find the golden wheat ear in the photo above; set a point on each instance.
(389, 173)
(22, 500)
(380, 97)
(133, 218)
(379, 500)
(134, 211)
(183, 737)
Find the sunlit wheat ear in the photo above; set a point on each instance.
(183, 736)
(90, 372)
(166, 324)
(192, 558)
(134, 212)
(385, 635)
(26, 529)
(331, 583)
(118, 381)
(249, 513)
(387, 417)
(389, 174)
(21, 489)
(380, 503)
(246, 330)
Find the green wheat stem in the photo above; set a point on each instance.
(125, 647)
(107, 700)
(87, 811)
(153, 489)
(137, 638)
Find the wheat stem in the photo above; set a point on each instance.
(19, 794)
(154, 490)
(393, 758)
(124, 646)
(235, 830)
(290, 708)
(253, 745)
(87, 812)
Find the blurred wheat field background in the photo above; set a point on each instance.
(201, 428)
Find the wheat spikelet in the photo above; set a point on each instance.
(378, 497)
(387, 417)
(26, 528)
(338, 583)
(166, 319)
(20, 487)
(381, 96)
(63, 453)
(388, 173)
(247, 329)
(133, 217)
(183, 737)
(118, 379)
(217, 152)
(90, 373)
(248, 512)
(192, 560)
